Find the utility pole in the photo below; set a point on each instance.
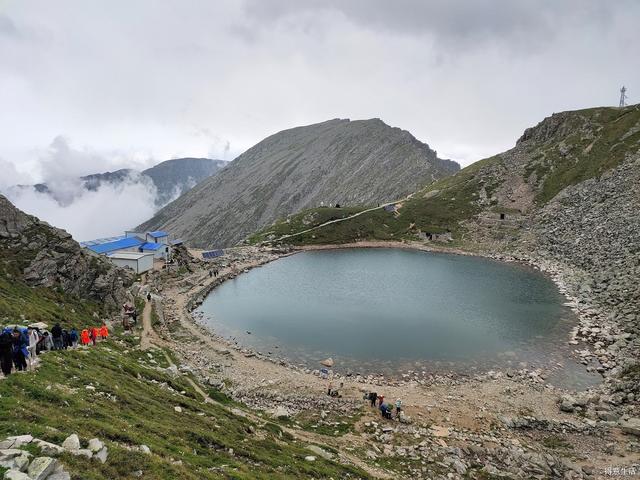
(623, 96)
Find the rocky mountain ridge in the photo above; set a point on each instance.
(334, 162)
(38, 255)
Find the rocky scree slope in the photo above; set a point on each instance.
(36, 258)
(338, 161)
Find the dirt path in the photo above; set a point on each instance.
(147, 329)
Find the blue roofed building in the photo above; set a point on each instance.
(127, 244)
(157, 237)
(159, 250)
(151, 243)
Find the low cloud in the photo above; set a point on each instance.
(67, 203)
(105, 212)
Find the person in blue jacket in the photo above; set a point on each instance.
(20, 349)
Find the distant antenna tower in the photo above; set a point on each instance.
(623, 96)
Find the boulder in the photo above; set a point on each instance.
(15, 475)
(48, 448)
(310, 458)
(320, 452)
(102, 455)
(327, 362)
(280, 411)
(567, 403)
(59, 476)
(630, 426)
(17, 441)
(42, 467)
(71, 443)
(84, 452)
(95, 445)
(145, 449)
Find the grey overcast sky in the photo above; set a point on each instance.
(91, 85)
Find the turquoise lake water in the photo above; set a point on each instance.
(392, 310)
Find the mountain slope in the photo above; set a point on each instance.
(570, 149)
(173, 178)
(45, 275)
(338, 161)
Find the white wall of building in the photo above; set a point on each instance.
(138, 265)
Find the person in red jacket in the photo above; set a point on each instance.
(104, 331)
(95, 333)
(84, 337)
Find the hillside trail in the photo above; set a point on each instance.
(338, 220)
(150, 339)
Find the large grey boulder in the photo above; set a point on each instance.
(630, 426)
(42, 467)
(16, 475)
(71, 443)
(48, 448)
(95, 445)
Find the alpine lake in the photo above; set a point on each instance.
(393, 311)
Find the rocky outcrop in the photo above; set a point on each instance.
(21, 466)
(43, 256)
(335, 162)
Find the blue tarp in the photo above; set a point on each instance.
(158, 234)
(117, 245)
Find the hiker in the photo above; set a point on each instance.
(373, 396)
(330, 388)
(20, 352)
(380, 399)
(56, 334)
(95, 333)
(104, 331)
(389, 411)
(6, 350)
(84, 337)
(210, 273)
(73, 337)
(66, 343)
(148, 296)
(398, 408)
(34, 338)
(45, 343)
(383, 409)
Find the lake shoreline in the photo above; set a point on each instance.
(540, 374)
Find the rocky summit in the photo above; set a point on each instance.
(335, 162)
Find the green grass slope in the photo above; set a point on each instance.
(132, 402)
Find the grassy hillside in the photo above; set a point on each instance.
(562, 150)
(121, 395)
(587, 144)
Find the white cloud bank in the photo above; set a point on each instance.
(105, 212)
(85, 214)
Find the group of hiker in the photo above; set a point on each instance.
(386, 408)
(21, 344)
(214, 273)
